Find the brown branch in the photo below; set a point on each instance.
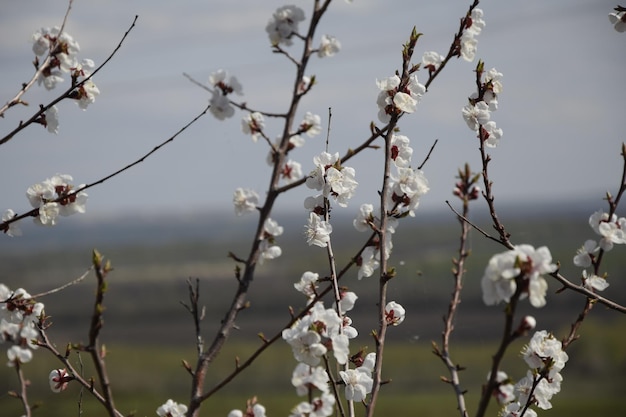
(34, 212)
(95, 349)
(23, 394)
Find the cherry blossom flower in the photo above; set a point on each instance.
(404, 102)
(62, 50)
(618, 20)
(594, 282)
(545, 350)
(225, 83)
(40, 193)
(245, 201)
(291, 171)
(315, 204)
(284, 24)
(392, 101)
(527, 323)
(311, 124)
(368, 262)
(253, 124)
(59, 379)
(364, 219)
(329, 46)
(431, 61)
(469, 46)
(406, 188)
(613, 231)
(491, 134)
(18, 354)
(305, 344)
(220, 106)
(86, 94)
(51, 119)
(12, 229)
(523, 264)
(304, 85)
(493, 87)
(333, 180)
(307, 284)
(348, 299)
(401, 152)
(394, 313)
(358, 384)
(341, 183)
(476, 115)
(544, 389)
(318, 231)
(505, 390)
(267, 249)
(358, 381)
(305, 377)
(171, 409)
(476, 23)
(48, 214)
(515, 410)
(584, 254)
(316, 180)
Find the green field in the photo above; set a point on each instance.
(148, 333)
(145, 376)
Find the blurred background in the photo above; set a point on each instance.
(170, 218)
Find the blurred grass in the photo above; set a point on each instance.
(144, 377)
(148, 333)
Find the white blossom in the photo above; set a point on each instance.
(594, 282)
(318, 231)
(618, 20)
(284, 24)
(329, 46)
(245, 201)
(12, 229)
(499, 281)
(476, 115)
(394, 313)
(171, 409)
(253, 124)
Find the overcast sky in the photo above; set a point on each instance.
(562, 109)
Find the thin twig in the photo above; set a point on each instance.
(67, 93)
(64, 286)
(35, 212)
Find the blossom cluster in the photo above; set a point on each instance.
(253, 409)
(545, 357)
(61, 51)
(406, 187)
(334, 181)
(223, 85)
(477, 113)
(618, 20)
(395, 98)
(320, 332)
(267, 246)
(172, 409)
(310, 338)
(519, 269)
(19, 316)
(53, 197)
(613, 232)
(474, 24)
(283, 24)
